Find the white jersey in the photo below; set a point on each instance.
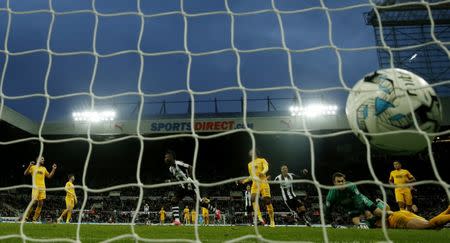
(286, 186)
(248, 198)
(146, 209)
(180, 171)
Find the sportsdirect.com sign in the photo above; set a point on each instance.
(199, 126)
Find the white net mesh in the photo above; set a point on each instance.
(275, 32)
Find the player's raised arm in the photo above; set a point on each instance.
(28, 169)
(52, 173)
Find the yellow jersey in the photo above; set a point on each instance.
(70, 190)
(162, 214)
(186, 212)
(258, 168)
(193, 216)
(205, 211)
(400, 177)
(39, 173)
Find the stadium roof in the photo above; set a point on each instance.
(220, 122)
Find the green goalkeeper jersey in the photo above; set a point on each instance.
(349, 198)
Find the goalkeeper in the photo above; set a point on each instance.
(354, 203)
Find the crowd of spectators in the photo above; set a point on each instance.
(120, 206)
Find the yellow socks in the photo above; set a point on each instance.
(37, 213)
(258, 211)
(69, 216)
(271, 214)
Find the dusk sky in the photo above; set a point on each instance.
(73, 33)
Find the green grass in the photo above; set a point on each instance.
(96, 233)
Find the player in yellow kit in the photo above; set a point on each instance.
(186, 215)
(193, 216)
(162, 216)
(407, 220)
(257, 170)
(71, 199)
(399, 177)
(38, 173)
(205, 214)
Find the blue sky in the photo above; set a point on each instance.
(316, 69)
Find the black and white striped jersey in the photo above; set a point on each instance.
(247, 198)
(286, 186)
(180, 171)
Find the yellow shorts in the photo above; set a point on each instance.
(403, 195)
(38, 194)
(70, 202)
(264, 189)
(162, 218)
(400, 219)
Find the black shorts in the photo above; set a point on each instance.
(294, 203)
(249, 209)
(181, 193)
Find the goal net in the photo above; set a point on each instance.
(103, 88)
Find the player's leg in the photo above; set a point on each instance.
(267, 198)
(176, 199)
(291, 206)
(301, 210)
(256, 208)
(399, 198)
(61, 217)
(27, 213)
(249, 214)
(254, 197)
(442, 219)
(38, 210)
(69, 205)
(418, 223)
(408, 199)
(40, 203)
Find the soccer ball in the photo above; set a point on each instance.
(386, 101)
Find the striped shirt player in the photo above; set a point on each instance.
(248, 200)
(291, 200)
(181, 171)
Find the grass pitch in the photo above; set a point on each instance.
(97, 233)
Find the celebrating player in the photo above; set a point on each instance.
(291, 200)
(162, 216)
(399, 177)
(355, 203)
(71, 199)
(257, 170)
(186, 215)
(38, 173)
(182, 172)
